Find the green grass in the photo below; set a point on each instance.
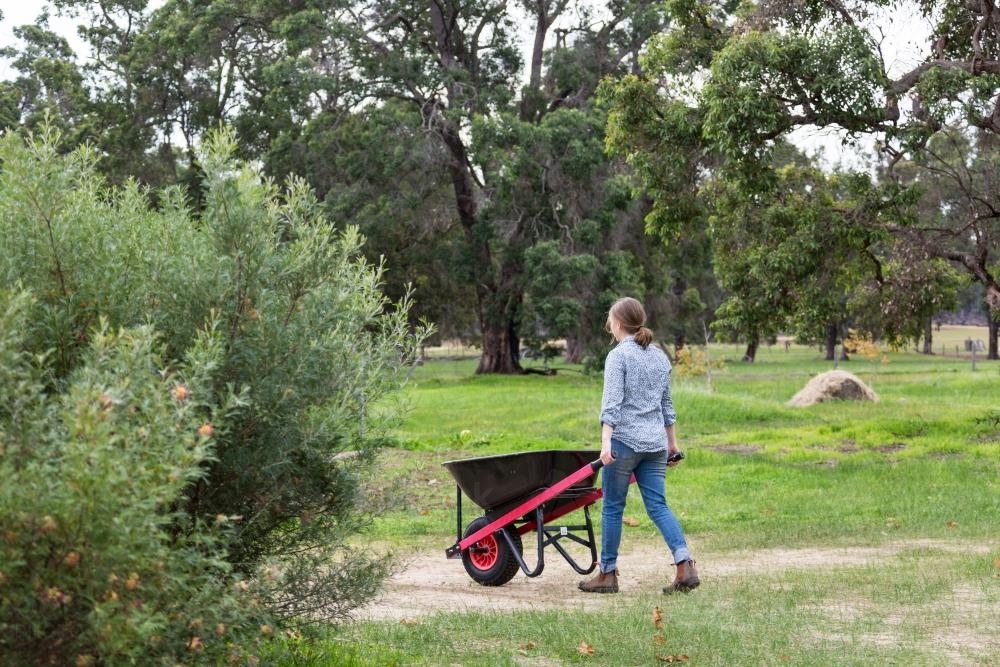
(902, 611)
(922, 465)
(454, 408)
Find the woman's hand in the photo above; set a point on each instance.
(606, 455)
(671, 450)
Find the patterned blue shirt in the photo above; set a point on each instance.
(637, 402)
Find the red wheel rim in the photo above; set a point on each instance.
(484, 553)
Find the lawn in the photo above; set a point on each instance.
(912, 482)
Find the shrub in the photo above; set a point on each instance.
(304, 337)
(691, 362)
(94, 568)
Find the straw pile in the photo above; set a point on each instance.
(833, 385)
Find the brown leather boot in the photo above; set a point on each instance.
(685, 580)
(603, 582)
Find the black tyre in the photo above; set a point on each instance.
(490, 561)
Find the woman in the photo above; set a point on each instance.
(637, 437)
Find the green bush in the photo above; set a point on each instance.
(306, 353)
(94, 565)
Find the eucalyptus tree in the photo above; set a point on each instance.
(460, 66)
(575, 225)
(797, 258)
(49, 86)
(156, 76)
(731, 79)
(115, 112)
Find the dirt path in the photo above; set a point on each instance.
(429, 582)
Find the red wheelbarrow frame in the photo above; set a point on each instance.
(546, 535)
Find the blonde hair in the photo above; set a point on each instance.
(632, 317)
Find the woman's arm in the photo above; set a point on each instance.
(611, 402)
(606, 456)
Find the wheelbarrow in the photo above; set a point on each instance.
(520, 493)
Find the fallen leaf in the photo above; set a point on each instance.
(585, 649)
(996, 563)
(408, 621)
(527, 646)
(680, 657)
(658, 638)
(657, 618)
(952, 524)
(629, 521)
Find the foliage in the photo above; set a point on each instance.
(691, 362)
(757, 75)
(863, 344)
(389, 178)
(98, 563)
(451, 144)
(795, 249)
(50, 86)
(522, 171)
(456, 147)
(567, 258)
(307, 340)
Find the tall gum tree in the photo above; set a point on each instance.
(757, 72)
(460, 63)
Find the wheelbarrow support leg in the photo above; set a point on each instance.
(540, 564)
(590, 543)
(551, 535)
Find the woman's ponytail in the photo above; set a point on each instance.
(644, 336)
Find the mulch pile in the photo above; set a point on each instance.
(833, 385)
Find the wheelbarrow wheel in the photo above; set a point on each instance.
(490, 561)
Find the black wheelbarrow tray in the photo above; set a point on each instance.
(520, 493)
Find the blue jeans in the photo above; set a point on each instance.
(650, 469)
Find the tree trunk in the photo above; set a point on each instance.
(831, 341)
(497, 356)
(751, 352)
(574, 351)
(513, 343)
(679, 341)
(501, 344)
(994, 327)
(929, 336)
